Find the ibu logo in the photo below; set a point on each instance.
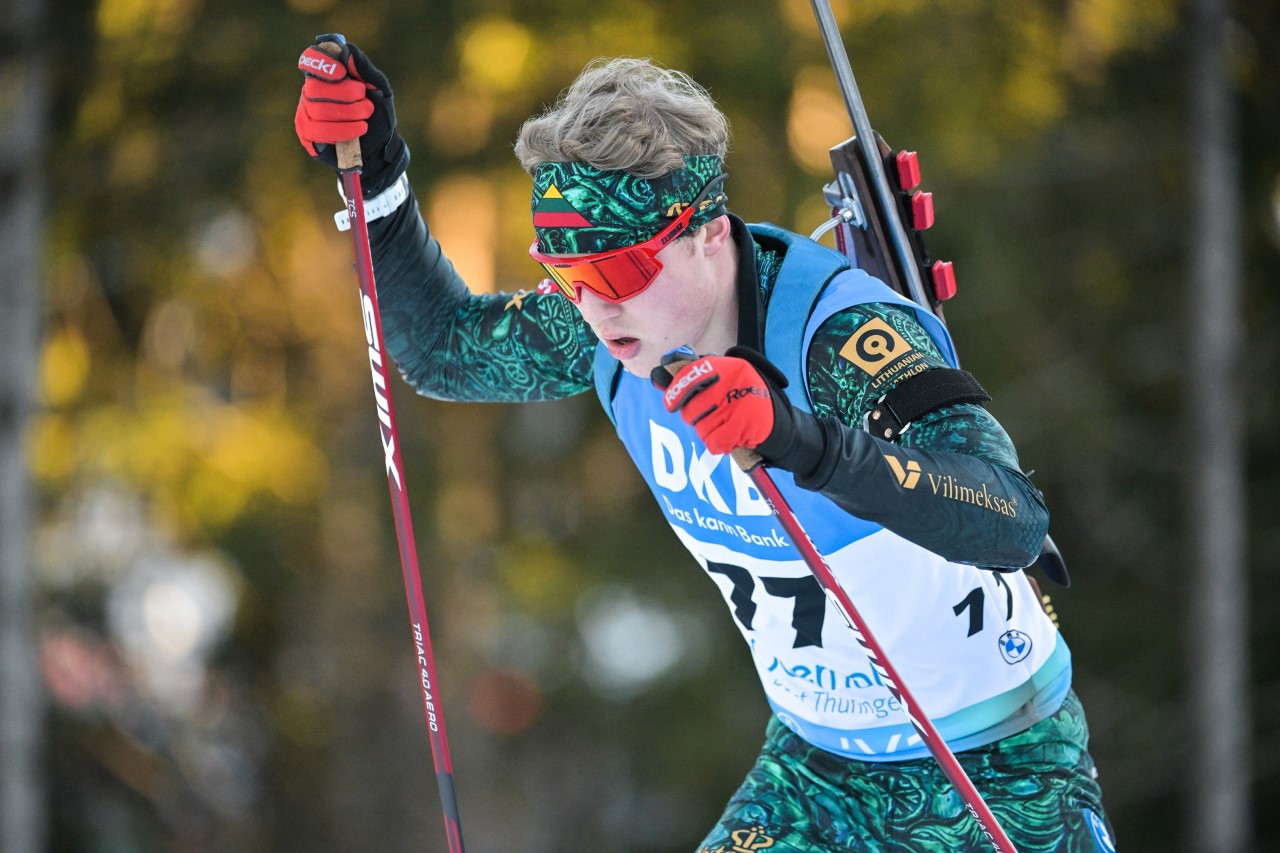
(1014, 646)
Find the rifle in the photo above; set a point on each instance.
(879, 215)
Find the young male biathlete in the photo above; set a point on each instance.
(927, 533)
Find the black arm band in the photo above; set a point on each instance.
(917, 396)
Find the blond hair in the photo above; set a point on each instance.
(626, 115)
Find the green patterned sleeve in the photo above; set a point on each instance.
(452, 344)
(952, 483)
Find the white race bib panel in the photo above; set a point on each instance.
(973, 646)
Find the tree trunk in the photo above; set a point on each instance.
(23, 96)
(1220, 773)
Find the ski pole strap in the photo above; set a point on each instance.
(384, 204)
(917, 396)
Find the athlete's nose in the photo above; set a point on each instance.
(596, 310)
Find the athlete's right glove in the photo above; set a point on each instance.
(728, 399)
(737, 400)
(345, 97)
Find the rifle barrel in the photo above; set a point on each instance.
(867, 144)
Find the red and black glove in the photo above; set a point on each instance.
(732, 400)
(345, 97)
(736, 400)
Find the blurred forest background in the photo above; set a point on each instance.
(217, 611)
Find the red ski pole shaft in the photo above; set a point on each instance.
(750, 461)
(349, 164)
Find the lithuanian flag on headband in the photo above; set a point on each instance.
(554, 211)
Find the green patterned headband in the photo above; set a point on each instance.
(581, 210)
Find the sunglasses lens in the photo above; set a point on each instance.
(566, 287)
(614, 278)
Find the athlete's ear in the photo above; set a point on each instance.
(715, 234)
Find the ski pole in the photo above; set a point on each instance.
(349, 165)
(751, 462)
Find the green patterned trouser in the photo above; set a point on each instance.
(801, 799)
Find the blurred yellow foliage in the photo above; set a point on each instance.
(817, 118)
(798, 15)
(1033, 94)
(64, 366)
(261, 449)
(202, 458)
(124, 18)
(464, 210)
(1098, 29)
(495, 52)
(625, 29)
(51, 453)
(460, 119)
(102, 109)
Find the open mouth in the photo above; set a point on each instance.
(623, 348)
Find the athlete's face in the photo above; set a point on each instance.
(690, 303)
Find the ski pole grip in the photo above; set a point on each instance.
(745, 457)
(349, 149)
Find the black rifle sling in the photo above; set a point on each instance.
(917, 396)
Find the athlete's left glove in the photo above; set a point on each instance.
(736, 400)
(346, 97)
